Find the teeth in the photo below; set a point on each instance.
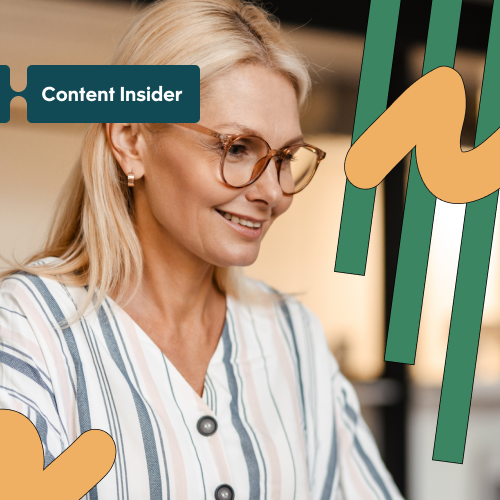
(241, 222)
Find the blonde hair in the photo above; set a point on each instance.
(93, 233)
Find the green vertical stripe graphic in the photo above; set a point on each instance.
(374, 82)
(418, 219)
(419, 207)
(470, 286)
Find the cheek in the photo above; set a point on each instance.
(282, 206)
(179, 187)
(280, 209)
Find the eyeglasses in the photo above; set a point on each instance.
(245, 157)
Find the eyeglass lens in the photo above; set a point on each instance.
(246, 157)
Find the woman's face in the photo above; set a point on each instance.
(181, 195)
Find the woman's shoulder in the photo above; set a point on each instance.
(281, 319)
(24, 292)
(296, 318)
(14, 283)
(260, 296)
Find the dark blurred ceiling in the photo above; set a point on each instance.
(352, 16)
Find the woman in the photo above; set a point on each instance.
(133, 319)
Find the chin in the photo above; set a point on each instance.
(238, 259)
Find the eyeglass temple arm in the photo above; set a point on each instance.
(224, 137)
(204, 130)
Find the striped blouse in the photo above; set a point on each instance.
(283, 421)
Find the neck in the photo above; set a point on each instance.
(179, 292)
(177, 287)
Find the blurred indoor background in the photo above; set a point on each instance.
(399, 403)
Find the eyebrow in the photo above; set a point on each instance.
(250, 131)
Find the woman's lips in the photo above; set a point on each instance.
(249, 232)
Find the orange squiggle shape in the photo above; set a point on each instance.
(430, 116)
(70, 476)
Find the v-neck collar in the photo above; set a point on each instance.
(216, 358)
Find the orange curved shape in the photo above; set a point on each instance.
(69, 477)
(428, 116)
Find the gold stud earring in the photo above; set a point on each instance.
(131, 179)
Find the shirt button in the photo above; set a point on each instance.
(224, 492)
(206, 427)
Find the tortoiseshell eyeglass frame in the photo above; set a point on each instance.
(279, 155)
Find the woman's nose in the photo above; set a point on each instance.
(267, 186)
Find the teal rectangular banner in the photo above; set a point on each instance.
(99, 94)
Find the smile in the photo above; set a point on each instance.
(240, 220)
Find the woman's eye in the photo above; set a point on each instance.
(237, 149)
(287, 160)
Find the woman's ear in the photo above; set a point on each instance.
(127, 144)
